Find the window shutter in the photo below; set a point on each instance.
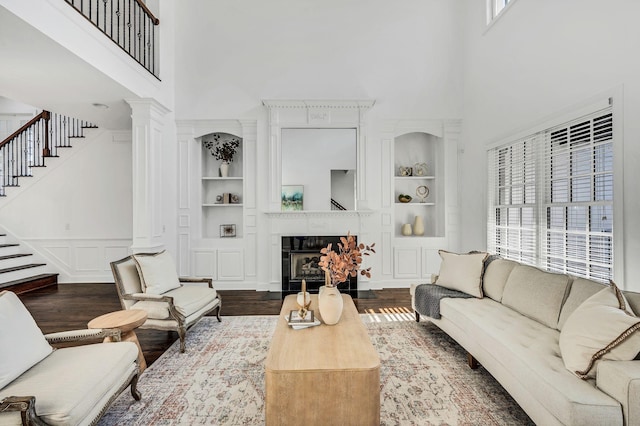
(550, 198)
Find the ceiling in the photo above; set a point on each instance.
(40, 72)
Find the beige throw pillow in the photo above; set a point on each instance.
(602, 327)
(157, 272)
(23, 344)
(462, 272)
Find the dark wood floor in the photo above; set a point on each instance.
(71, 306)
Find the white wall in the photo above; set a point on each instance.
(77, 211)
(403, 54)
(542, 58)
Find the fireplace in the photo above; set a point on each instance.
(300, 257)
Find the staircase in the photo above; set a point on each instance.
(28, 147)
(18, 270)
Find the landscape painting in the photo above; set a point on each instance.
(292, 196)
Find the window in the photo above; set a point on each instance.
(495, 8)
(551, 198)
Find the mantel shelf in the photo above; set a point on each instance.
(319, 213)
(222, 205)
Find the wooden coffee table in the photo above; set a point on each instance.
(126, 321)
(322, 375)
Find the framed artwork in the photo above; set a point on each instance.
(228, 230)
(292, 197)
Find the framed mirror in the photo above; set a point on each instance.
(324, 162)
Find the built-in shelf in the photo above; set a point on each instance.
(221, 178)
(416, 204)
(415, 177)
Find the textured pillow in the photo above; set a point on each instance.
(22, 344)
(603, 327)
(157, 272)
(462, 272)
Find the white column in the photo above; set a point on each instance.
(147, 117)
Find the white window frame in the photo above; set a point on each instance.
(561, 118)
(496, 9)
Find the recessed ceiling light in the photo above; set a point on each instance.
(99, 105)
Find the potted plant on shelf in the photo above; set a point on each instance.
(223, 147)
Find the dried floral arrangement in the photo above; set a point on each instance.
(346, 261)
(223, 146)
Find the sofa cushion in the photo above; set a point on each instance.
(462, 272)
(603, 327)
(528, 355)
(581, 290)
(70, 382)
(536, 294)
(157, 272)
(187, 299)
(22, 344)
(495, 277)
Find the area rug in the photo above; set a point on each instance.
(424, 378)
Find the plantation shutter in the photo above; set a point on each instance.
(512, 191)
(550, 198)
(578, 204)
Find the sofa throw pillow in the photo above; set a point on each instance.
(462, 272)
(23, 344)
(602, 327)
(157, 272)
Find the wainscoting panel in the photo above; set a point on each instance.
(407, 262)
(431, 263)
(204, 263)
(230, 265)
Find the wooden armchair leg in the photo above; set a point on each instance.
(473, 363)
(135, 393)
(417, 316)
(218, 312)
(182, 332)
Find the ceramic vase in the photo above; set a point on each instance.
(224, 169)
(406, 229)
(418, 226)
(330, 305)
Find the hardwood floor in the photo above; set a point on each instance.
(72, 306)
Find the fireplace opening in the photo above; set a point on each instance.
(300, 257)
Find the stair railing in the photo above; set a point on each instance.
(37, 139)
(336, 205)
(128, 23)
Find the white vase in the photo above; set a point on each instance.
(224, 169)
(406, 229)
(418, 226)
(330, 305)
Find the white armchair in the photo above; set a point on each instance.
(40, 385)
(149, 281)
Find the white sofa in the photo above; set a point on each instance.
(514, 332)
(40, 385)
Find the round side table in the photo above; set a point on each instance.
(126, 321)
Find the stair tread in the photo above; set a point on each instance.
(28, 279)
(13, 256)
(21, 267)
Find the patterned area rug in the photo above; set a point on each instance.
(424, 378)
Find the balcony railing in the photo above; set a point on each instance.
(39, 138)
(129, 23)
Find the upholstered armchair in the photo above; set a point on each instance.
(149, 281)
(40, 385)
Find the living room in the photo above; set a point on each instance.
(431, 67)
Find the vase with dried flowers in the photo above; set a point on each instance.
(223, 147)
(339, 266)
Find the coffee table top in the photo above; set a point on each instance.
(125, 320)
(344, 346)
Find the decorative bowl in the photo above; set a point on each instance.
(404, 198)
